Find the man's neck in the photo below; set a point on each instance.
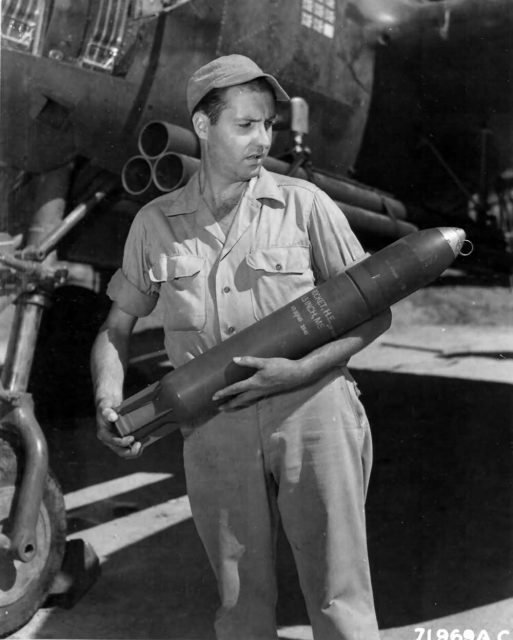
(220, 194)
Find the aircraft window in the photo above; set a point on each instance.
(106, 37)
(319, 15)
(22, 21)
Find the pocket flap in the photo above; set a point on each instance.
(171, 267)
(280, 259)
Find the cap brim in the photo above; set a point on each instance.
(281, 94)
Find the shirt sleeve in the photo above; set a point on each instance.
(130, 287)
(334, 245)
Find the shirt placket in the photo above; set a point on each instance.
(234, 302)
(227, 299)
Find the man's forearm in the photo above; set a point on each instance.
(109, 359)
(340, 351)
(273, 375)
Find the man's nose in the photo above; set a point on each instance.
(264, 135)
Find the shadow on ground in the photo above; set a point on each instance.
(439, 510)
(440, 515)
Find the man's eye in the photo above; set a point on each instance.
(245, 125)
(269, 124)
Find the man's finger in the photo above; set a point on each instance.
(125, 447)
(132, 451)
(125, 441)
(233, 389)
(250, 361)
(106, 435)
(109, 414)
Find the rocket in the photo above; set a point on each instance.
(325, 313)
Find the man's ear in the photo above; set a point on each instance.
(201, 122)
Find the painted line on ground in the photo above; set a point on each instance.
(111, 488)
(110, 537)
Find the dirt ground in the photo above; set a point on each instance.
(453, 300)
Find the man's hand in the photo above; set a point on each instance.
(273, 375)
(125, 447)
(109, 359)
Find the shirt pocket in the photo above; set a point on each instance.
(182, 290)
(278, 275)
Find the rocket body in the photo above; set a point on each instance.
(326, 312)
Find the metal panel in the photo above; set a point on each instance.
(106, 39)
(66, 31)
(22, 23)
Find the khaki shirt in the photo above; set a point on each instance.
(286, 237)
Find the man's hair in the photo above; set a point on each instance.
(213, 103)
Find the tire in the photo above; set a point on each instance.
(24, 586)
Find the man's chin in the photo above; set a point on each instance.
(253, 170)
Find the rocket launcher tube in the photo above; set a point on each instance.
(323, 314)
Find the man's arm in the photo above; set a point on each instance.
(109, 359)
(274, 375)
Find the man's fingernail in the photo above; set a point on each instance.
(237, 359)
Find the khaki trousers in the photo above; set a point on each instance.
(305, 457)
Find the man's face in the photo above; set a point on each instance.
(238, 143)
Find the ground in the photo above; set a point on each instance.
(437, 389)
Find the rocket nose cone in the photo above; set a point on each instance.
(455, 237)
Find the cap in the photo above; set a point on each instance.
(227, 71)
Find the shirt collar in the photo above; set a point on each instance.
(261, 187)
(187, 200)
(264, 187)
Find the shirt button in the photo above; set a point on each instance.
(279, 267)
(230, 330)
(227, 289)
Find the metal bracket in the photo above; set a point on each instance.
(21, 541)
(31, 275)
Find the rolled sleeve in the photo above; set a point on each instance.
(131, 286)
(128, 297)
(334, 245)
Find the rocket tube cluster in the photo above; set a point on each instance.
(155, 170)
(158, 138)
(328, 311)
(168, 158)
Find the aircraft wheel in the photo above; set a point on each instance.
(25, 585)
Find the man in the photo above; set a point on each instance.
(292, 441)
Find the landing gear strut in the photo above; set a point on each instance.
(32, 514)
